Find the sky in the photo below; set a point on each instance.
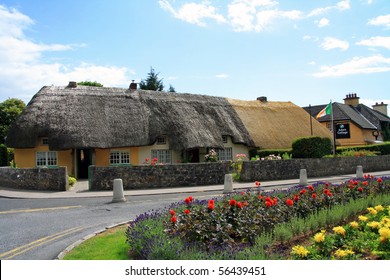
(303, 51)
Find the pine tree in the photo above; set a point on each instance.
(152, 82)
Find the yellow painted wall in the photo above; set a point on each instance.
(26, 158)
(358, 135)
(102, 156)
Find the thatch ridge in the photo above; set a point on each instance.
(95, 117)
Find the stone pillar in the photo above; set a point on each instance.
(118, 191)
(228, 184)
(303, 177)
(359, 171)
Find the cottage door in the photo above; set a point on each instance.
(84, 160)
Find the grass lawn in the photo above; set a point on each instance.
(108, 245)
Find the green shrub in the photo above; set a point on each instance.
(311, 147)
(71, 181)
(383, 149)
(267, 152)
(4, 158)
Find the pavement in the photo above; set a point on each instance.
(80, 189)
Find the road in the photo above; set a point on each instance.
(39, 229)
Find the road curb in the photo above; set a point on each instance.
(61, 255)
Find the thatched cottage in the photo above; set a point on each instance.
(77, 126)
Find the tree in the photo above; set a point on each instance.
(152, 82)
(90, 84)
(9, 111)
(171, 89)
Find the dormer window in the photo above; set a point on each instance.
(161, 140)
(45, 141)
(224, 139)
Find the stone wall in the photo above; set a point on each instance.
(42, 179)
(161, 176)
(289, 169)
(197, 174)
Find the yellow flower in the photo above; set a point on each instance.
(319, 237)
(354, 224)
(379, 208)
(339, 230)
(299, 251)
(343, 253)
(363, 218)
(385, 222)
(372, 211)
(384, 233)
(374, 224)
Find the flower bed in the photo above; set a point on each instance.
(242, 225)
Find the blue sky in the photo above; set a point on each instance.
(307, 52)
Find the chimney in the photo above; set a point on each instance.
(133, 86)
(382, 108)
(351, 99)
(72, 85)
(262, 99)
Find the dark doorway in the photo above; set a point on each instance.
(193, 155)
(84, 160)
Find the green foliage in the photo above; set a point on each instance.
(266, 152)
(10, 109)
(383, 149)
(171, 89)
(311, 147)
(71, 181)
(357, 153)
(152, 82)
(90, 84)
(4, 158)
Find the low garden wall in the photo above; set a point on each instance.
(158, 176)
(42, 179)
(166, 176)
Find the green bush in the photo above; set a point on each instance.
(311, 147)
(71, 181)
(4, 158)
(383, 149)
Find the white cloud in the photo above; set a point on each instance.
(340, 6)
(380, 20)
(322, 22)
(357, 65)
(222, 76)
(331, 43)
(194, 13)
(23, 69)
(377, 41)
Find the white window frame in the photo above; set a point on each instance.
(46, 158)
(163, 155)
(161, 140)
(225, 154)
(122, 157)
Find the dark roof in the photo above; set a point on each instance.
(374, 116)
(342, 112)
(97, 117)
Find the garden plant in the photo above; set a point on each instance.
(261, 224)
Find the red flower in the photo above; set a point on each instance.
(355, 183)
(268, 199)
(351, 186)
(260, 197)
(302, 192)
(329, 194)
(311, 188)
(314, 195)
(242, 193)
(232, 202)
(326, 191)
(187, 200)
(174, 219)
(379, 180)
(172, 212)
(326, 184)
(275, 201)
(365, 176)
(257, 184)
(296, 197)
(186, 211)
(289, 202)
(360, 189)
(245, 203)
(239, 205)
(211, 201)
(268, 203)
(210, 206)
(365, 183)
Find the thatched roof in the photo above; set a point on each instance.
(275, 125)
(93, 117)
